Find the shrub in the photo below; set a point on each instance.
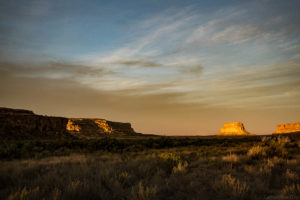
(143, 193)
(256, 152)
(276, 147)
(265, 170)
(293, 189)
(233, 187)
(181, 167)
(167, 161)
(265, 139)
(267, 165)
(73, 189)
(125, 178)
(290, 175)
(25, 194)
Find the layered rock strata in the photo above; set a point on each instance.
(24, 124)
(83, 127)
(287, 128)
(21, 124)
(233, 128)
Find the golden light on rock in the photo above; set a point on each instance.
(16, 122)
(72, 127)
(77, 125)
(287, 128)
(104, 125)
(233, 128)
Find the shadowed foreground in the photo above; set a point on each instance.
(211, 168)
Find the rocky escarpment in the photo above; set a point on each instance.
(82, 127)
(24, 124)
(287, 128)
(233, 128)
(17, 123)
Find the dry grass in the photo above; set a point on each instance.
(25, 194)
(198, 172)
(231, 158)
(256, 152)
(143, 193)
(233, 187)
(291, 176)
(181, 167)
(293, 189)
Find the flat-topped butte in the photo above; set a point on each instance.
(287, 128)
(233, 128)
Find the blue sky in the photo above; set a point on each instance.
(202, 58)
(75, 27)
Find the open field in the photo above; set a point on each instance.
(152, 168)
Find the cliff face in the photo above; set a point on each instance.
(287, 128)
(234, 128)
(24, 124)
(81, 127)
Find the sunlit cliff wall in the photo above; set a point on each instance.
(25, 124)
(16, 123)
(83, 127)
(287, 128)
(233, 128)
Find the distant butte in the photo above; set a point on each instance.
(287, 128)
(233, 128)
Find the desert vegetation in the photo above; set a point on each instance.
(152, 168)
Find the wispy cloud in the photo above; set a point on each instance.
(191, 63)
(263, 87)
(200, 54)
(138, 63)
(209, 58)
(55, 70)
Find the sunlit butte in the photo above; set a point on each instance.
(168, 67)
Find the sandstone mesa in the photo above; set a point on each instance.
(24, 124)
(287, 128)
(233, 128)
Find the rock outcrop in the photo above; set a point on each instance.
(24, 124)
(233, 128)
(82, 127)
(287, 128)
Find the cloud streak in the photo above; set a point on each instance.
(138, 63)
(178, 61)
(182, 53)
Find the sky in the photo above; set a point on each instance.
(172, 67)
